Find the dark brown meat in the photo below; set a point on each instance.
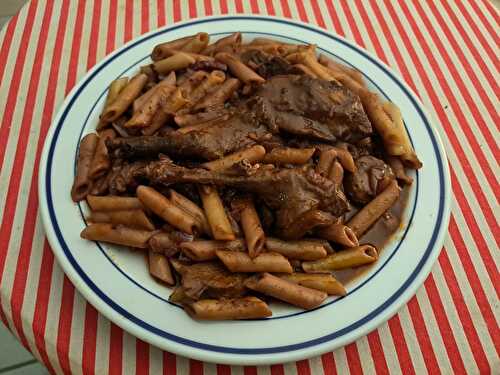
(208, 144)
(211, 279)
(310, 107)
(290, 192)
(371, 177)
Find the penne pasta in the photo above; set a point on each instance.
(216, 214)
(178, 61)
(219, 95)
(240, 70)
(125, 98)
(230, 42)
(129, 218)
(325, 162)
(254, 234)
(286, 291)
(288, 155)
(308, 59)
(339, 233)
(369, 214)
(336, 173)
(82, 183)
(190, 119)
(301, 250)
(226, 309)
(141, 101)
(160, 268)
(202, 250)
(323, 282)
(349, 258)
(117, 234)
(100, 162)
(305, 70)
(252, 154)
(237, 261)
(333, 65)
(345, 158)
(113, 203)
(197, 43)
(165, 209)
(213, 79)
(190, 208)
(114, 89)
(160, 51)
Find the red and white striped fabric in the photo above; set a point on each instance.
(447, 51)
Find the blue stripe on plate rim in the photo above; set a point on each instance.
(127, 276)
(231, 350)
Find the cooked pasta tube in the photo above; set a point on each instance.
(305, 70)
(219, 95)
(196, 44)
(339, 233)
(237, 261)
(407, 153)
(165, 209)
(141, 101)
(216, 214)
(214, 78)
(160, 268)
(114, 89)
(232, 41)
(113, 203)
(301, 249)
(191, 208)
(308, 59)
(129, 218)
(288, 155)
(345, 158)
(228, 309)
(100, 162)
(178, 61)
(323, 282)
(240, 70)
(399, 170)
(287, 291)
(160, 118)
(203, 125)
(369, 214)
(254, 234)
(202, 250)
(117, 234)
(326, 159)
(349, 258)
(188, 83)
(82, 183)
(351, 72)
(336, 173)
(160, 50)
(252, 154)
(125, 98)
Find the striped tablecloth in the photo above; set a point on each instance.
(447, 51)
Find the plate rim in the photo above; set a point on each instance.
(225, 357)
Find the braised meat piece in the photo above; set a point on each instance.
(209, 143)
(211, 279)
(291, 192)
(371, 177)
(310, 107)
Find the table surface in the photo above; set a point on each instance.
(447, 51)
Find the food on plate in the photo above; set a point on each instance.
(249, 172)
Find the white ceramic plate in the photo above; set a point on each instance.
(116, 280)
